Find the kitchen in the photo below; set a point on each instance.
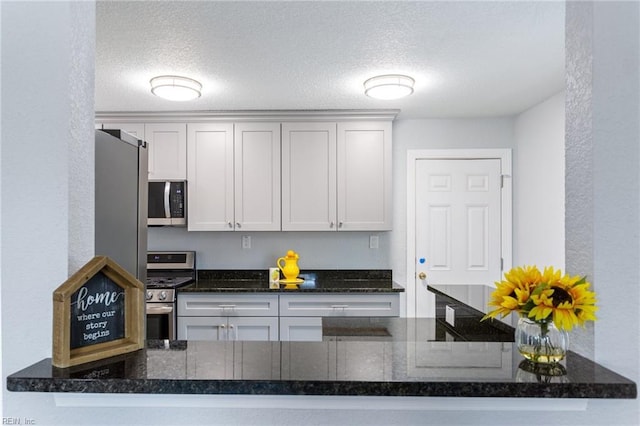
(498, 130)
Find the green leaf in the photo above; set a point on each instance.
(539, 289)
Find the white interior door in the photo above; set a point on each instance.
(457, 224)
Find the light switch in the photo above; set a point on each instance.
(373, 241)
(246, 241)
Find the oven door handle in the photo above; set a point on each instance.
(159, 310)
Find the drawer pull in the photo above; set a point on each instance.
(227, 306)
(339, 306)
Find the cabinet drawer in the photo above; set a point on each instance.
(227, 305)
(340, 305)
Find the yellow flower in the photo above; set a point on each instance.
(514, 291)
(544, 296)
(567, 300)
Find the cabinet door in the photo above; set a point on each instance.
(257, 176)
(308, 176)
(364, 176)
(253, 328)
(301, 329)
(210, 177)
(167, 150)
(202, 328)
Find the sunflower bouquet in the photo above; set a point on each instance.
(544, 297)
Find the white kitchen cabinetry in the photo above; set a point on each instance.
(167, 150)
(211, 316)
(340, 305)
(233, 176)
(257, 176)
(308, 176)
(301, 314)
(228, 328)
(210, 177)
(336, 176)
(364, 176)
(301, 329)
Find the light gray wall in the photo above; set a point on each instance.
(616, 182)
(538, 185)
(47, 162)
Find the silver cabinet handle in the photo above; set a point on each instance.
(340, 224)
(167, 192)
(227, 306)
(238, 225)
(339, 306)
(230, 224)
(331, 225)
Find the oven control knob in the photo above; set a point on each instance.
(149, 295)
(163, 295)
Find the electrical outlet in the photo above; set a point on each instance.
(246, 242)
(373, 241)
(450, 315)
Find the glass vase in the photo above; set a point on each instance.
(541, 341)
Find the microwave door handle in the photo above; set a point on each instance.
(167, 192)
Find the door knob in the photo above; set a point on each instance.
(422, 276)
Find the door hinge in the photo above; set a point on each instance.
(502, 264)
(501, 181)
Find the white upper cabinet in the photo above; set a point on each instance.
(167, 150)
(336, 176)
(364, 176)
(309, 176)
(233, 177)
(257, 176)
(210, 177)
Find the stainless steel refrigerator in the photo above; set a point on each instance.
(121, 195)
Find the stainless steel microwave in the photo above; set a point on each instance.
(167, 203)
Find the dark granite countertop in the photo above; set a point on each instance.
(357, 356)
(316, 281)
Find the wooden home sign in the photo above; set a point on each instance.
(97, 313)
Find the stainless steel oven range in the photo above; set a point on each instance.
(166, 272)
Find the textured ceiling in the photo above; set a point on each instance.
(469, 59)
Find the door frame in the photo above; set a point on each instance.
(506, 241)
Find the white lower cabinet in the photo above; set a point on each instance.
(301, 329)
(269, 317)
(228, 328)
(301, 314)
(214, 316)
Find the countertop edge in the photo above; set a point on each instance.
(326, 388)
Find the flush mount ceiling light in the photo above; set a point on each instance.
(175, 88)
(390, 86)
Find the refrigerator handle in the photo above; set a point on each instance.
(167, 192)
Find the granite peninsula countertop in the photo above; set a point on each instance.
(357, 356)
(316, 281)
